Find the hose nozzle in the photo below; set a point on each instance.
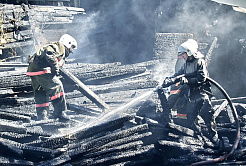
(158, 87)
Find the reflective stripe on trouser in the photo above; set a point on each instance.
(181, 116)
(46, 86)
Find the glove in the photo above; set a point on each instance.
(183, 81)
(167, 81)
(159, 87)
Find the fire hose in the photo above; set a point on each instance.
(234, 112)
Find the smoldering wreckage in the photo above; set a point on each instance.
(119, 121)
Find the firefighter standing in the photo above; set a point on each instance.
(199, 93)
(44, 71)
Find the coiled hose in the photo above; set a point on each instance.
(221, 158)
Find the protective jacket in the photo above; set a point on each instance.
(198, 100)
(43, 69)
(47, 59)
(196, 72)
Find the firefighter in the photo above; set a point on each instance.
(177, 99)
(44, 72)
(199, 89)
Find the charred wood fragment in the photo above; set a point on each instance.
(11, 116)
(20, 112)
(226, 146)
(126, 140)
(56, 161)
(14, 161)
(140, 153)
(190, 141)
(83, 133)
(84, 89)
(140, 162)
(7, 126)
(121, 148)
(98, 142)
(8, 148)
(109, 73)
(175, 148)
(85, 147)
(21, 138)
(181, 129)
(123, 141)
(220, 108)
(29, 152)
(187, 159)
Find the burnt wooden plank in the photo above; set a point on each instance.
(117, 157)
(181, 129)
(8, 126)
(84, 89)
(14, 161)
(11, 116)
(83, 132)
(29, 152)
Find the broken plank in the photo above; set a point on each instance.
(84, 89)
(181, 129)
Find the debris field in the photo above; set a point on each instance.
(133, 131)
(133, 135)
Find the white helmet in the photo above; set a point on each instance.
(190, 47)
(68, 41)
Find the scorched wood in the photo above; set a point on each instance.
(84, 89)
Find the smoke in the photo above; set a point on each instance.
(117, 31)
(206, 20)
(84, 25)
(124, 31)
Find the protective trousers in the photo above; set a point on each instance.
(166, 114)
(48, 87)
(200, 104)
(177, 101)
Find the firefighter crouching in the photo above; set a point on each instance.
(44, 71)
(199, 90)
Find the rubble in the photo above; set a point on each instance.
(136, 135)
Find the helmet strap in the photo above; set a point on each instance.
(67, 52)
(190, 58)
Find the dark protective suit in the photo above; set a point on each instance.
(43, 69)
(177, 99)
(198, 96)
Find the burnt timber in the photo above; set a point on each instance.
(135, 136)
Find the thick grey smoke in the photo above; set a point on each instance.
(206, 20)
(118, 31)
(124, 31)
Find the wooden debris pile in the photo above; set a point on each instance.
(25, 27)
(46, 142)
(138, 135)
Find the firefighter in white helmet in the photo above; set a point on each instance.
(199, 89)
(44, 71)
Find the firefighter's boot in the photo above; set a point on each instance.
(42, 114)
(60, 107)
